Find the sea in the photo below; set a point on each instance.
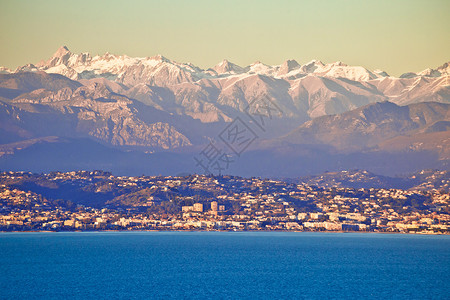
(223, 265)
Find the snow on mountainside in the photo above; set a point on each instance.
(335, 70)
(226, 90)
(226, 67)
(4, 70)
(127, 69)
(443, 70)
(156, 70)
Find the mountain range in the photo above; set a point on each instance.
(421, 180)
(154, 112)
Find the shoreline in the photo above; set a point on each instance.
(230, 231)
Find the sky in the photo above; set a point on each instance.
(395, 36)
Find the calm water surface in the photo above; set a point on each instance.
(218, 265)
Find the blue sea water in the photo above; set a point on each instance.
(222, 265)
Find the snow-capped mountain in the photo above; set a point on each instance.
(162, 104)
(225, 90)
(443, 70)
(226, 67)
(156, 70)
(149, 70)
(327, 115)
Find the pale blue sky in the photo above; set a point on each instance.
(396, 36)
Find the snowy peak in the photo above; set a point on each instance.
(159, 58)
(108, 56)
(312, 66)
(228, 67)
(288, 66)
(340, 70)
(443, 70)
(135, 70)
(429, 73)
(438, 72)
(161, 71)
(380, 73)
(27, 68)
(4, 70)
(339, 64)
(259, 68)
(156, 70)
(63, 50)
(61, 57)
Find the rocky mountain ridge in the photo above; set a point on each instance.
(317, 114)
(368, 126)
(219, 93)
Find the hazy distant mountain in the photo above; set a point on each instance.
(15, 84)
(91, 111)
(368, 126)
(421, 180)
(381, 137)
(332, 115)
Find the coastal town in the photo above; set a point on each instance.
(97, 200)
